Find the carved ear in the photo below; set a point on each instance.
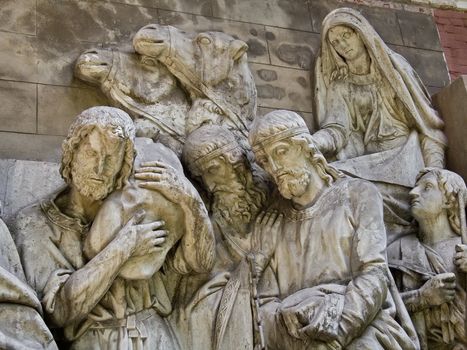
(237, 49)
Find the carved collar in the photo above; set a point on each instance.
(63, 221)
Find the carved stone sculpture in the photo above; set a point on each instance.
(213, 68)
(237, 193)
(374, 114)
(101, 284)
(430, 267)
(328, 262)
(143, 87)
(21, 324)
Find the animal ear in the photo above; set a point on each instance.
(237, 48)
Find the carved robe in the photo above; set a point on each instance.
(438, 327)
(21, 324)
(129, 314)
(215, 308)
(332, 256)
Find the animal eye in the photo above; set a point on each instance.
(204, 40)
(213, 170)
(148, 61)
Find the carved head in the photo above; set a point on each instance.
(438, 191)
(284, 147)
(346, 42)
(213, 154)
(210, 56)
(93, 66)
(98, 152)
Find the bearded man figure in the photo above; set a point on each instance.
(82, 296)
(237, 193)
(332, 285)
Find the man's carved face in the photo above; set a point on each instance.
(346, 42)
(233, 199)
(96, 163)
(427, 199)
(288, 164)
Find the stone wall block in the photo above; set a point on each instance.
(18, 57)
(58, 106)
(383, 20)
(18, 112)
(419, 30)
(29, 182)
(253, 34)
(452, 104)
(430, 65)
(30, 146)
(18, 16)
(198, 7)
(283, 88)
(292, 48)
(292, 14)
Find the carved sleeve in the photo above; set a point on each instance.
(197, 248)
(333, 133)
(368, 288)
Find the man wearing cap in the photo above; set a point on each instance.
(333, 288)
(237, 192)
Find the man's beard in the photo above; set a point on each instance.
(89, 188)
(292, 183)
(237, 205)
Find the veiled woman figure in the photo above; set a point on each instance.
(374, 113)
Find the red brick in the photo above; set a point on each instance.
(442, 20)
(457, 21)
(449, 14)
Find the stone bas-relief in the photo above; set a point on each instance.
(430, 266)
(374, 114)
(94, 261)
(329, 270)
(175, 82)
(141, 86)
(21, 324)
(140, 252)
(237, 193)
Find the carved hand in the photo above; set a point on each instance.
(265, 233)
(439, 289)
(460, 258)
(147, 237)
(163, 178)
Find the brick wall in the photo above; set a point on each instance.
(40, 39)
(452, 27)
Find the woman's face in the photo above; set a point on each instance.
(346, 42)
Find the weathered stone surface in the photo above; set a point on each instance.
(27, 182)
(282, 13)
(199, 7)
(307, 117)
(252, 34)
(452, 104)
(18, 112)
(90, 21)
(418, 30)
(55, 118)
(283, 88)
(383, 20)
(5, 165)
(30, 146)
(292, 48)
(18, 57)
(18, 16)
(430, 65)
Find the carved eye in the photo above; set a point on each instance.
(148, 61)
(347, 35)
(428, 186)
(204, 40)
